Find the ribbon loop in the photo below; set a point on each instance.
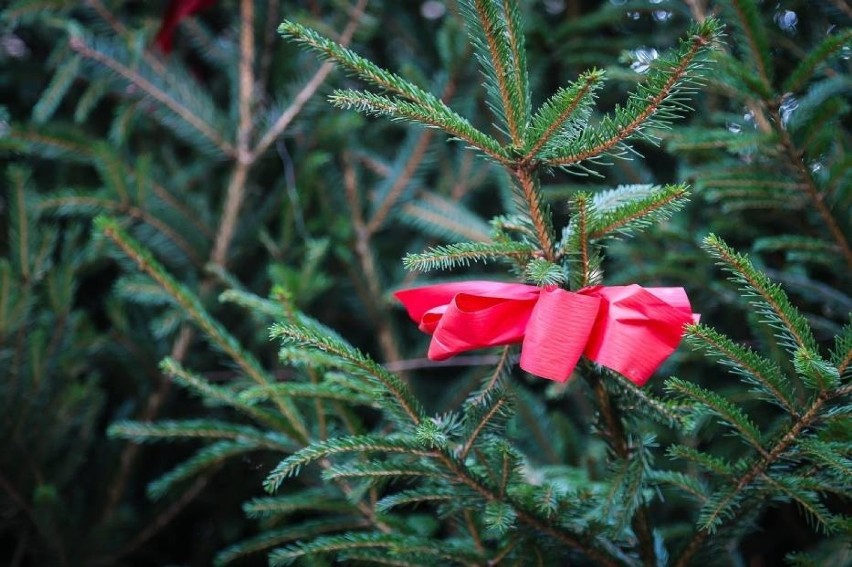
(629, 329)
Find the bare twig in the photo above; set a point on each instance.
(310, 87)
(162, 520)
(237, 186)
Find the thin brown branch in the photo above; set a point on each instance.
(23, 229)
(162, 520)
(310, 87)
(369, 271)
(617, 437)
(698, 9)
(230, 214)
(817, 198)
(470, 522)
(565, 538)
(191, 119)
(400, 183)
(121, 30)
(532, 196)
(501, 73)
(237, 186)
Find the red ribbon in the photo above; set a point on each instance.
(629, 329)
(177, 11)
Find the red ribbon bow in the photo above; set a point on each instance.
(177, 11)
(629, 329)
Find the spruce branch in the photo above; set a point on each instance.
(817, 198)
(351, 357)
(211, 392)
(194, 121)
(283, 505)
(192, 306)
(807, 68)
(354, 63)
(750, 25)
(291, 466)
(516, 41)
(171, 430)
(655, 103)
(567, 106)
(635, 213)
(616, 437)
(730, 414)
(431, 116)
(375, 473)
(586, 543)
(462, 254)
(664, 412)
(763, 373)
(492, 408)
(771, 301)
(395, 544)
(725, 506)
(278, 536)
(705, 461)
(498, 42)
(207, 458)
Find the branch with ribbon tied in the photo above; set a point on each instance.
(628, 329)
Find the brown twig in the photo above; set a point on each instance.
(162, 520)
(532, 196)
(310, 87)
(795, 155)
(121, 30)
(617, 437)
(237, 186)
(369, 272)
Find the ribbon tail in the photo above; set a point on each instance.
(637, 330)
(557, 333)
